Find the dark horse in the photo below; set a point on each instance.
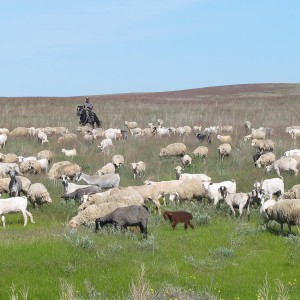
(85, 118)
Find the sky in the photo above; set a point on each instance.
(96, 47)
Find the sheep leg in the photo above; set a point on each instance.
(25, 217)
(174, 223)
(3, 220)
(30, 216)
(191, 225)
(290, 228)
(232, 210)
(281, 228)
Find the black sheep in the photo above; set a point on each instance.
(78, 194)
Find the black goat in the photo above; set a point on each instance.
(134, 215)
(204, 137)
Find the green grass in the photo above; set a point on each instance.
(221, 259)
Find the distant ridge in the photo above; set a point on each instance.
(226, 90)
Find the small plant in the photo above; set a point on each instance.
(84, 242)
(294, 248)
(201, 218)
(148, 244)
(13, 294)
(223, 252)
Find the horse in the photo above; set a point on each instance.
(85, 118)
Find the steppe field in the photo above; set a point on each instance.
(222, 258)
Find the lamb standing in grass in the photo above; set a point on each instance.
(176, 217)
(201, 151)
(224, 150)
(118, 160)
(69, 153)
(186, 160)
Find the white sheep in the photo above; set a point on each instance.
(285, 211)
(186, 160)
(5, 167)
(224, 138)
(14, 205)
(118, 160)
(69, 153)
(88, 138)
(283, 164)
(63, 168)
(131, 124)
(136, 132)
(3, 140)
(256, 134)
(265, 160)
(4, 130)
(42, 137)
(161, 131)
(185, 176)
(293, 193)
(201, 151)
(292, 152)
(67, 138)
(45, 154)
(19, 131)
(38, 194)
(138, 168)
(9, 158)
(263, 208)
(224, 150)
(109, 168)
(262, 146)
(106, 144)
(175, 149)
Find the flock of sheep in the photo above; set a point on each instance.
(103, 201)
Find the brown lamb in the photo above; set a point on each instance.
(179, 217)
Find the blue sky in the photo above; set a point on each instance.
(95, 47)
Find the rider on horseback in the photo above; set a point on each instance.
(88, 106)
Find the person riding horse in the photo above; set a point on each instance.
(88, 106)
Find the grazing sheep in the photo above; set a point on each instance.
(149, 193)
(186, 160)
(283, 164)
(225, 128)
(263, 208)
(28, 166)
(224, 150)
(188, 190)
(42, 137)
(47, 154)
(183, 176)
(262, 146)
(38, 194)
(9, 158)
(204, 137)
(292, 152)
(63, 168)
(19, 131)
(67, 138)
(240, 200)
(88, 138)
(179, 217)
(255, 134)
(4, 130)
(106, 144)
(138, 168)
(118, 160)
(285, 211)
(224, 138)
(105, 181)
(78, 194)
(15, 184)
(14, 205)
(4, 184)
(131, 124)
(69, 153)
(3, 140)
(5, 167)
(109, 168)
(201, 151)
(265, 160)
(92, 212)
(134, 215)
(136, 131)
(293, 193)
(176, 149)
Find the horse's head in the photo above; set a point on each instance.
(79, 110)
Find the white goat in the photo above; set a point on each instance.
(14, 205)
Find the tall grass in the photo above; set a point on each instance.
(221, 259)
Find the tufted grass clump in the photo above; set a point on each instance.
(83, 242)
(293, 243)
(201, 218)
(223, 252)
